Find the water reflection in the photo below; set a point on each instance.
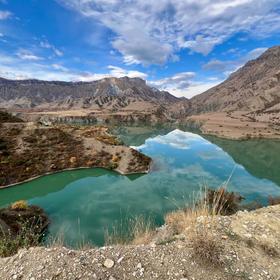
(83, 203)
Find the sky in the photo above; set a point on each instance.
(182, 46)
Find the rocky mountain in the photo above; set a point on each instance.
(113, 94)
(255, 87)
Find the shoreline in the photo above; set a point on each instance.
(236, 125)
(29, 155)
(73, 169)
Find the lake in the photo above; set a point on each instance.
(83, 204)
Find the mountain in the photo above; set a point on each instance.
(110, 93)
(255, 87)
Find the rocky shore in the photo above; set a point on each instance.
(245, 245)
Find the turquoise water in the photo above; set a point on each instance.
(83, 204)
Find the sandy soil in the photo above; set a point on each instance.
(236, 125)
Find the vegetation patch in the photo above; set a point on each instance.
(136, 230)
(21, 226)
(28, 151)
(6, 117)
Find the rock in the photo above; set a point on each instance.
(139, 266)
(109, 263)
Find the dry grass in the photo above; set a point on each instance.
(199, 225)
(138, 230)
(25, 238)
(19, 205)
(206, 246)
(208, 203)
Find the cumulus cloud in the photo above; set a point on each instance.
(5, 15)
(152, 32)
(183, 84)
(179, 81)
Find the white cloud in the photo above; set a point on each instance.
(16, 67)
(229, 66)
(27, 55)
(152, 32)
(253, 54)
(114, 71)
(60, 67)
(177, 139)
(216, 65)
(179, 81)
(45, 44)
(5, 15)
(199, 87)
(183, 84)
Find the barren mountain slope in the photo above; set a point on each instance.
(108, 93)
(254, 87)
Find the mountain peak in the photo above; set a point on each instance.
(253, 87)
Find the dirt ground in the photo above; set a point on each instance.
(248, 242)
(29, 150)
(238, 125)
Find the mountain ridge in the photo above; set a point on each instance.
(108, 93)
(253, 87)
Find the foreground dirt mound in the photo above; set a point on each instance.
(245, 246)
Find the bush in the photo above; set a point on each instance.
(25, 238)
(207, 247)
(21, 228)
(222, 202)
(19, 205)
(273, 200)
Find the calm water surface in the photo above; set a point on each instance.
(82, 204)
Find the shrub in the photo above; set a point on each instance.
(222, 202)
(112, 165)
(19, 205)
(206, 246)
(21, 228)
(273, 200)
(25, 238)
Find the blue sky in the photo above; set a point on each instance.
(183, 46)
